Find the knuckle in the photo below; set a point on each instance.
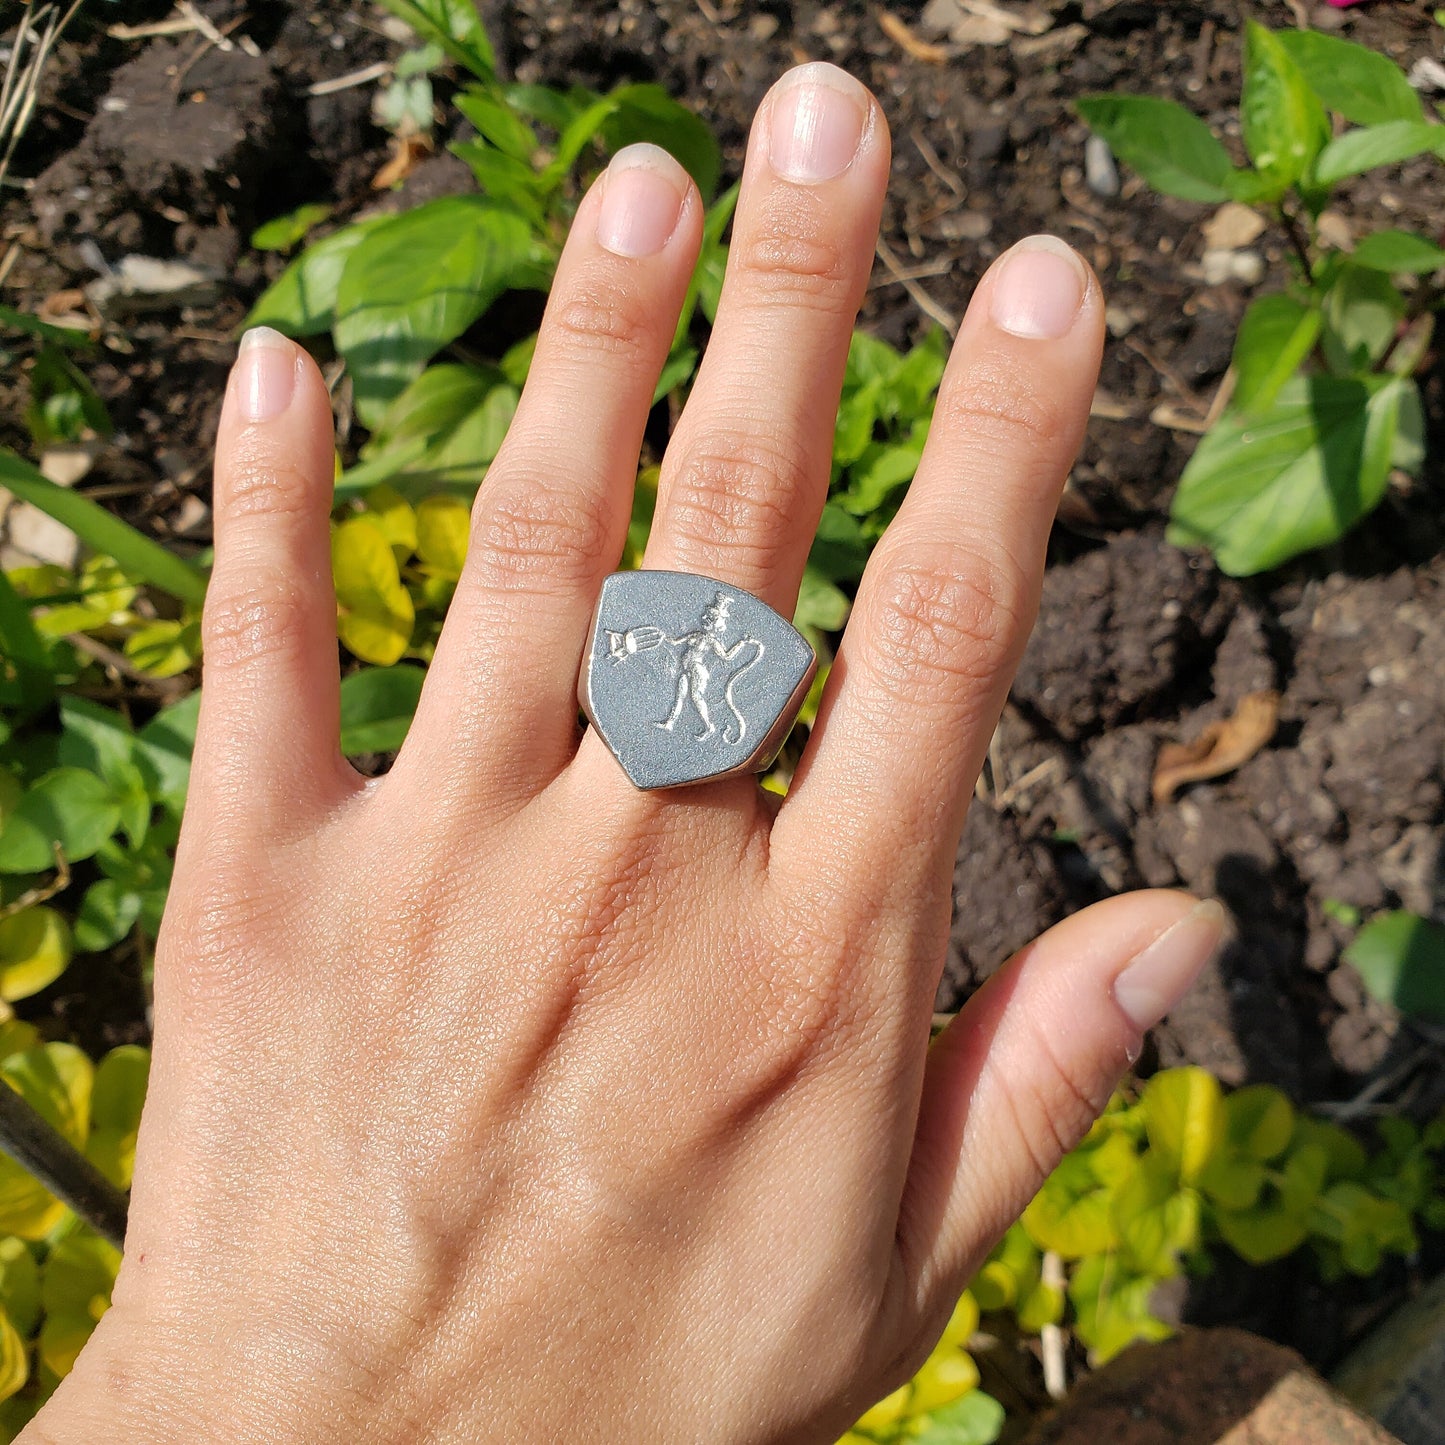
(996, 404)
(606, 323)
(248, 622)
(957, 621)
(537, 537)
(265, 487)
(792, 256)
(735, 493)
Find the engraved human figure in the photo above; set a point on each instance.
(700, 649)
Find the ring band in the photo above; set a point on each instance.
(687, 679)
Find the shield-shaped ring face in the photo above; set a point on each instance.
(687, 678)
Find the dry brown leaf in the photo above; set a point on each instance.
(406, 153)
(1220, 748)
(896, 29)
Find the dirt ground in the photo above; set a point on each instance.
(171, 147)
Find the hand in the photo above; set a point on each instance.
(495, 1100)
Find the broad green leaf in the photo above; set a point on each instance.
(1362, 312)
(1111, 1306)
(19, 1284)
(676, 371)
(976, 1419)
(70, 807)
(99, 597)
(106, 914)
(416, 282)
(16, 1036)
(1259, 1121)
(840, 549)
(1398, 252)
(455, 26)
(1283, 123)
(443, 525)
(1362, 85)
(34, 949)
(649, 113)
(961, 1323)
(1400, 957)
(1263, 1232)
(1275, 336)
(94, 737)
(1042, 1305)
(377, 706)
(375, 611)
(284, 232)
(14, 1358)
(1263, 488)
(944, 1377)
(117, 1098)
(1184, 1112)
(75, 1288)
(1071, 1214)
(885, 1414)
(1155, 1219)
(104, 532)
(20, 643)
(505, 179)
(1233, 1180)
(497, 121)
(1169, 146)
(882, 470)
(1376, 145)
(302, 299)
(820, 604)
(55, 1080)
(163, 750)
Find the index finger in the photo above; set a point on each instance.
(951, 591)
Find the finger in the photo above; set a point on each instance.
(1016, 1080)
(745, 476)
(550, 519)
(949, 595)
(269, 729)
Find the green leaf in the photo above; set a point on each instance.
(302, 299)
(103, 532)
(455, 26)
(284, 232)
(1169, 146)
(1275, 336)
(1071, 1215)
(376, 612)
(107, 913)
(1259, 1121)
(377, 706)
(19, 1284)
(1111, 1307)
(820, 604)
(163, 750)
(1263, 488)
(1362, 85)
(55, 1080)
(44, 330)
(976, 1419)
(70, 807)
(34, 949)
(1283, 123)
(649, 113)
(840, 549)
(1400, 957)
(24, 652)
(443, 526)
(117, 1098)
(14, 1358)
(1376, 145)
(165, 647)
(1154, 1218)
(1399, 252)
(416, 282)
(497, 122)
(882, 470)
(1184, 1113)
(1232, 1180)
(75, 1289)
(1362, 312)
(1262, 1233)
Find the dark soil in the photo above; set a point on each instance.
(171, 147)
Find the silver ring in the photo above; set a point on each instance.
(687, 679)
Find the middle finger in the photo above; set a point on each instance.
(747, 471)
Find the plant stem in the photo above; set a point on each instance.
(35, 1146)
(1298, 239)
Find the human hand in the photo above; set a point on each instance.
(494, 1099)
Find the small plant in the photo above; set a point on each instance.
(1400, 957)
(1324, 406)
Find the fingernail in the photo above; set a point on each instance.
(1156, 979)
(816, 123)
(265, 374)
(641, 201)
(1038, 289)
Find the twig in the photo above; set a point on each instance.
(917, 294)
(21, 84)
(172, 25)
(119, 663)
(950, 178)
(353, 78)
(42, 892)
(1051, 1337)
(219, 38)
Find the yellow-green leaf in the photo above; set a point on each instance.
(375, 611)
(117, 1097)
(75, 1290)
(394, 515)
(54, 1080)
(1259, 1121)
(14, 1359)
(19, 1284)
(165, 647)
(34, 949)
(442, 527)
(1184, 1111)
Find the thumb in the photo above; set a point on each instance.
(1018, 1077)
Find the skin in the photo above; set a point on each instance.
(493, 1099)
